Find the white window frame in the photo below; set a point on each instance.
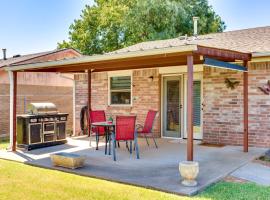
(119, 74)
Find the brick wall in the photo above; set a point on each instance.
(223, 107)
(223, 110)
(148, 94)
(61, 96)
(38, 78)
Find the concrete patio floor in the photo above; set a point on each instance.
(156, 168)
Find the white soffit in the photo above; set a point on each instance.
(179, 69)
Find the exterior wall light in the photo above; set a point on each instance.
(150, 78)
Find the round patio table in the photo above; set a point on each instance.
(107, 125)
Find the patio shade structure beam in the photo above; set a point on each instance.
(186, 55)
(222, 54)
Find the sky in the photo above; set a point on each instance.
(241, 14)
(30, 26)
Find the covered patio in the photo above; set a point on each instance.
(184, 55)
(156, 169)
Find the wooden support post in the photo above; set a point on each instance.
(89, 99)
(14, 111)
(11, 82)
(190, 108)
(245, 97)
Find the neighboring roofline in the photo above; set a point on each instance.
(41, 54)
(48, 53)
(103, 57)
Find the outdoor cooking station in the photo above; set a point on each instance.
(42, 126)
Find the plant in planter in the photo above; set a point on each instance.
(189, 171)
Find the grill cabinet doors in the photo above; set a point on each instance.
(61, 130)
(35, 133)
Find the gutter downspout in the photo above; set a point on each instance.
(73, 102)
(11, 88)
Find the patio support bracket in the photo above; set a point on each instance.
(190, 108)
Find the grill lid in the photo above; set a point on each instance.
(42, 108)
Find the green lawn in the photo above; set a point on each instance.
(20, 181)
(237, 191)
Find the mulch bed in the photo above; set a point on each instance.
(233, 179)
(263, 161)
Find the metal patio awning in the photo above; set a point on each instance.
(225, 65)
(182, 55)
(149, 58)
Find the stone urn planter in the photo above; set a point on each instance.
(189, 171)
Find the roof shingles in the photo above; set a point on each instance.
(253, 40)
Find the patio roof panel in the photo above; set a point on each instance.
(134, 60)
(225, 65)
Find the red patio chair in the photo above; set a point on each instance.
(146, 130)
(125, 130)
(97, 116)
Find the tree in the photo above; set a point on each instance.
(113, 24)
(153, 20)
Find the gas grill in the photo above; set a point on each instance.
(42, 126)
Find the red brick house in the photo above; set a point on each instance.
(217, 109)
(36, 86)
(228, 105)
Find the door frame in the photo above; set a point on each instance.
(197, 76)
(181, 102)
